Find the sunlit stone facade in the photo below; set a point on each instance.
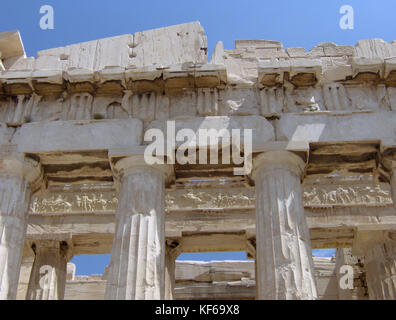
(74, 127)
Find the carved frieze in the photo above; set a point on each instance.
(239, 102)
(89, 202)
(315, 195)
(347, 195)
(209, 198)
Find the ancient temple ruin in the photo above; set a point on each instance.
(74, 180)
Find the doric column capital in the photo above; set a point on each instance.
(365, 240)
(389, 164)
(132, 163)
(388, 159)
(173, 247)
(19, 178)
(61, 243)
(13, 163)
(251, 248)
(271, 160)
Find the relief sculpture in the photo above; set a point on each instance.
(314, 196)
(74, 203)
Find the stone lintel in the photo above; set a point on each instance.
(365, 238)
(206, 75)
(67, 236)
(299, 147)
(368, 65)
(170, 78)
(77, 135)
(390, 66)
(11, 44)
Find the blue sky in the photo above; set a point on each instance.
(95, 264)
(302, 23)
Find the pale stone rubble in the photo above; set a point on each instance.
(72, 178)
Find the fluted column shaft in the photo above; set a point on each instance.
(393, 183)
(379, 250)
(14, 202)
(283, 252)
(137, 267)
(172, 251)
(380, 263)
(48, 275)
(344, 257)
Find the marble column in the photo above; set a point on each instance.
(172, 251)
(48, 275)
(18, 179)
(392, 165)
(137, 267)
(379, 251)
(354, 287)
(285, 267)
